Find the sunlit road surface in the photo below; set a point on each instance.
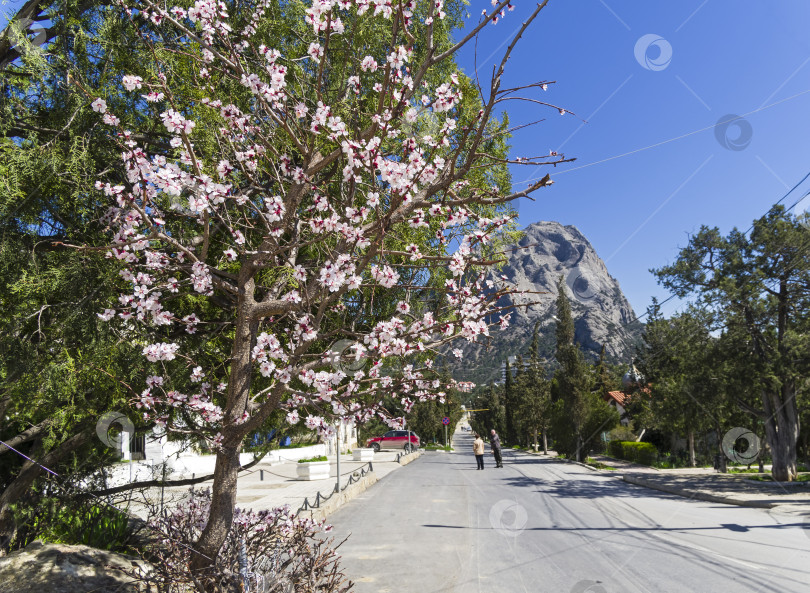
(542, 526)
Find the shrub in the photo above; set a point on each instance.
(643, 453)
(621, 433)
(73, 522)
(317, 458)
(285, 551)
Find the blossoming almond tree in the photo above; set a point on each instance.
(332, 190)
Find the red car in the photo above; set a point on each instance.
(394, 439)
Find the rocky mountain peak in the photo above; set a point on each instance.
(602, 314)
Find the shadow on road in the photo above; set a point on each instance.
(722, 527)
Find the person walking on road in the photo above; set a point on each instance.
(495, 443)
(478, 450)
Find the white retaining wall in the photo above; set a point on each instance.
(187, 466)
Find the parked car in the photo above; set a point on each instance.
(394, 439)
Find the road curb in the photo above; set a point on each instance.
(352, 491)
(338, 500)
(699, 495)
(412, 457)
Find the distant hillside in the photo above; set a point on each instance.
(602, 314)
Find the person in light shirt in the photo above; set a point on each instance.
(478, 450)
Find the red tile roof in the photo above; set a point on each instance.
(620, 397)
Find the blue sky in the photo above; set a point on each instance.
(746, 58)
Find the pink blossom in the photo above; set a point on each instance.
(369, 64)
(315, 51)
(160, 351)
(107, 315)
(132, 82)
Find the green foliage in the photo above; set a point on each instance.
(642, 453)
(571, 385)
(425, 418)
(600, 465)
(755, 285)
(489, 399)
(621, 433)
(312, 459)
(432, 447)
(72, 522)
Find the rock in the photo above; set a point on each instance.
(602, 314)
(59, 568)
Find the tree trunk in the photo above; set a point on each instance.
(721, 455)
(782, 431)
(223, 495)
(545, 443)
(691, 438)
(220, 516)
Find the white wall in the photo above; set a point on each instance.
(192, 465)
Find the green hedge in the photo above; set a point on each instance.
(311, 459)
(643, 453)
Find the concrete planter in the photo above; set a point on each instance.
(313, 470)
(363, 454)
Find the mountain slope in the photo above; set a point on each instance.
(602, 314)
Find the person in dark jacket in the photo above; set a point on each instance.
(495, 444)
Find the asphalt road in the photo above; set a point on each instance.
(537, 525)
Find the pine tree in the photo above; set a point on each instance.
(571, 377)
(510, 403)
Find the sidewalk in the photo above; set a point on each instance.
(703, 483)
(736, 489)
(266, 486)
